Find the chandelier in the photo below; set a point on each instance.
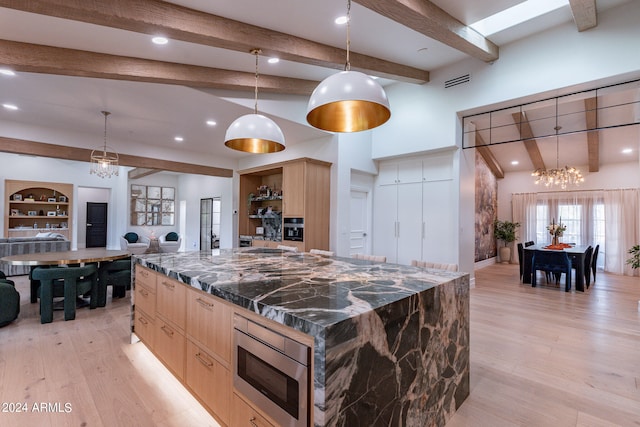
(104, 163)
(559, 177)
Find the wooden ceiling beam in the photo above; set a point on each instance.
(138, 173)
(593, 136)
(32, 148)
(584, 14)
(193, 26)
(428, 19)
(488, 157)
(79, 63)
(530, 143)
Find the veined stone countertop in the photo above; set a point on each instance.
(391, 342)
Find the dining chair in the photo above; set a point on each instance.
(556, 262)
(520, 247)
(76, 281)
(116, 274)
(435, 265)
(587, 266)
(529, 243)
(594, 262)
(321, 252)
(9, 300)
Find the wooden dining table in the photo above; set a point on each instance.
(576, 255)
(80, 256)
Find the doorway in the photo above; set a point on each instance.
(210, 223)
(359, 241)
(96, 226)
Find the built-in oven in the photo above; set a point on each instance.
(273, 371)
(293, 229)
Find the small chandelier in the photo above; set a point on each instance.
(254, 133)
(559, 177)
(349, 101)
(104, 160)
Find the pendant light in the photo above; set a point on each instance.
(254, 133)
(349, 101)
(103, 162)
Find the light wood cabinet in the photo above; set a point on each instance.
(33, 207)
(293, 189)
(172, 301)
(170, 346)
(244, 415)
(209, 380)
(144, 325)
(145, 291)
(209, 324)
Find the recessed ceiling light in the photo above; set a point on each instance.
(178, 139)
(341, 20)
(160, 40)
(273, 60)
(627, 151)
(10, 106)
(211, 123)
(515, 162)
(7, 72)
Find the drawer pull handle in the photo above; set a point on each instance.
(144, 321)
(167, 331)
(144, 293)
(204, 303)
(204, 361)
(252, 422)
(169, 285)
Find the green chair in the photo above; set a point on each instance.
(9, 301)
(67, 282)
(117, 274)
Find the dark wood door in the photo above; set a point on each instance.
(96, 225)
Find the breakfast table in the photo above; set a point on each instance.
(576, 255)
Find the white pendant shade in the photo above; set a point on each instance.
(254, 133)
(348, 101)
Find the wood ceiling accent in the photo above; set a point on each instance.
(180, 23)
(593, 136)
(69, 62)
(530, 143)
(32, 148)
(584, 13)
(488, 157)
(428, 19)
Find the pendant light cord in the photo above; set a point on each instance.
(255, 108)
(347, 66)
(104, 149)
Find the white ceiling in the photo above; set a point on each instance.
(152, 114)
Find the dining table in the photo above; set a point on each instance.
(576, 254)
(80, 256)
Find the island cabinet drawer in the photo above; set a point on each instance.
(209, 324)
(172, 300)
(170, 346)
(144, 327)
(145, 300)
(209, 380)
(146, 278)
(243, 415)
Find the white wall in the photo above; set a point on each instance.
(559, 61)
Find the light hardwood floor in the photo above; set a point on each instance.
(539, 357)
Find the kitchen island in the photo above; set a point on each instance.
(390, 342)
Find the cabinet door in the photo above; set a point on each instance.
(170, 346)
(440, 219)
(293, 189)
(243, 415)
(146, 278)
(387, 174)
(410, 171)
(409, 231)
(145, 299)
(209, 380)
(172, 301)
(209, 323)
(385, 221)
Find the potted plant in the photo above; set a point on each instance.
(635, 257)
(505, 231)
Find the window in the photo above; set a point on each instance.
(152, 205)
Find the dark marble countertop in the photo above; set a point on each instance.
(308, 292)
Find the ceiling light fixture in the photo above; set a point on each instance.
(273, 60)
(211, 123)
(627, 151)
(178, 139)
(560, 177)
(349, 101)
(254, 133)
(7, 72)
(10, 106)
(160, 40)
(104, 160)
